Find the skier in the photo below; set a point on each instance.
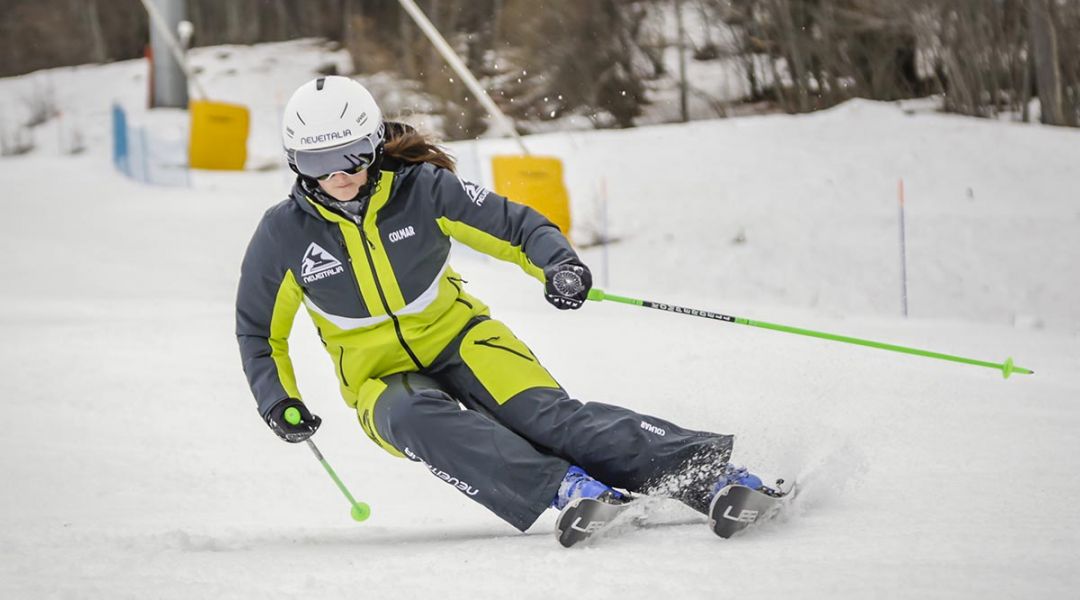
(363, 242)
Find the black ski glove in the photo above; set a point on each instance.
(290, 432)
(568, 285)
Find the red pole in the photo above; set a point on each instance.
(148, 52)
(903, 249)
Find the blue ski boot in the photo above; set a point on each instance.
(577, 484)
(740, 499)
(735, 475)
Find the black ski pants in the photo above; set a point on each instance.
(513, 436)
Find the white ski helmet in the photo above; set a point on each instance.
(332, 124)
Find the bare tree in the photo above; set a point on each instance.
(984, 57)
(1044, 46)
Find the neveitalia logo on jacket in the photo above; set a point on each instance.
(477, 193)
(318, 264)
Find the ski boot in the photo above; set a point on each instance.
(735, 475)
(740, 499)
(577, 484)
(586, 507)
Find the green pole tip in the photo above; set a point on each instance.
(596, 295)
(292, 415)
(361, 511)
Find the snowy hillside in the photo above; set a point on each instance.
(136, 466)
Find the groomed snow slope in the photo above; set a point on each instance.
(134, 464)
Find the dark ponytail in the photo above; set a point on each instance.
(405, 144)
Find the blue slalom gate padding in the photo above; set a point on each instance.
(120, 143)
(145, 157)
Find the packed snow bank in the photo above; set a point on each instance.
(135, 465)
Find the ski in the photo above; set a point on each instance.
(736, 507)
(584, 518)
(733, 509)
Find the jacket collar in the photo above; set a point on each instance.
(312, 202)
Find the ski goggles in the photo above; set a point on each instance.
(349, 158)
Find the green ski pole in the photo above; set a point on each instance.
(360, 510)
(1007, 368)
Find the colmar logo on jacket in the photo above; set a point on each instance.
(400, 234)
(319, 264)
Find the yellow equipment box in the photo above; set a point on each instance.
(536, 181)
(219, 135)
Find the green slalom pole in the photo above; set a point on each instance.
(360, 511)
(1007, 368)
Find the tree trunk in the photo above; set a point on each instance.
(345, 22)
(233, 22)
(1047, 67)
(280, 14)
(684, 111)
(407, 35)
(1025, 95)
(97, 39)
(796, 64)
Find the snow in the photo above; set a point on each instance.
(135, 465)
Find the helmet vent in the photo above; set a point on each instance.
(319, 83)
(301, 119)
(343, 110)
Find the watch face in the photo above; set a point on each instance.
(567, 283)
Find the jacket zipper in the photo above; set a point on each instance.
(341, 365)
(489, 344)
(368, 245)
(456, 282)
(352, 274)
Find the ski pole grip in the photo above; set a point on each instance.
(596, 295)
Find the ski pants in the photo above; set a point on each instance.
(518, 433)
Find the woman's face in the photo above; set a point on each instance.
(342, 187)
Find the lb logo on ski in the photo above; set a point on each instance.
(590, 527)
(744, 516)
(318, 264)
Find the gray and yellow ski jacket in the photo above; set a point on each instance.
(378, 286)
